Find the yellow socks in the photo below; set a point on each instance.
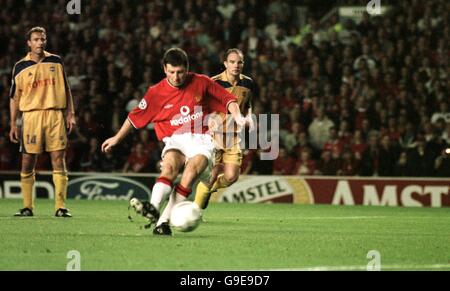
(26, 185)
(203, 192)
(221, 182)
(60, 180)
(202, 195)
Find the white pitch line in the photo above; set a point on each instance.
(363, 268)
(343, 217)
(310, 218)
(338, 217)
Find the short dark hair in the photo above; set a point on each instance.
(233, 50)
(176, 57)
(35, 29)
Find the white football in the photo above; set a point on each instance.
(136, 204)
(185, 216)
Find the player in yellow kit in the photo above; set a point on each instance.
(41, 94)
(228, 152)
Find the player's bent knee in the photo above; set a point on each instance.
(232, 178)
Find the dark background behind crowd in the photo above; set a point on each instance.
(364, 98)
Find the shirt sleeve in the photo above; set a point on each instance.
(145, 112)
(12, 90)
(221, 98)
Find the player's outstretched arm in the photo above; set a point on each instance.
(233, 107)
(112, 141)
(249, 120)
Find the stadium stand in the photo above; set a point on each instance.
(368, 98)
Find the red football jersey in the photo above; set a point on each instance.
(176, 110)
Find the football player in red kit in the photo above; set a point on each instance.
(178, 107)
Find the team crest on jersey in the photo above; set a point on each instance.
(198, 98)
(142, 104)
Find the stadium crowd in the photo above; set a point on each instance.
(368, 98)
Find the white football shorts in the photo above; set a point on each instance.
(190, 145)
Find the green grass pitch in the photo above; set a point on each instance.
(234, 237)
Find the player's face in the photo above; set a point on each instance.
(37, 42)
(234, 64)
(175, 75)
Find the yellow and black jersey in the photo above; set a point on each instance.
(40, 86)
(244, 90)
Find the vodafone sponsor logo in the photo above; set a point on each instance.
(185, 117)
(184, 110)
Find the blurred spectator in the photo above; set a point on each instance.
(388, 156)
(6, 155)
(226, 8)
(371, 157)
(407, 136)
(386, 73)
(442, 164)
(327, 164)
(284, 164)
(319, 130)
(138, 160)
(247, 161)
(109, 163)
(358, 145)
(334, 144)
(443, 113)
(446, 133)
(402, 165)
(306, 165)
(348, 165)
(260, 166)
(302, 144)
(420, 158)
(290, 138)
(91, 160)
